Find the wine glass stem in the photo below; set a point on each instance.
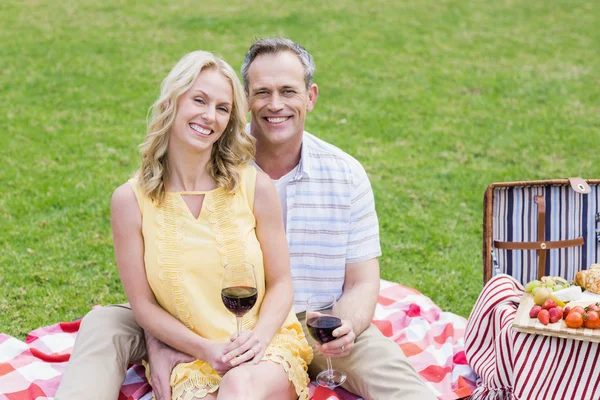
(238, 320)
(329, 367)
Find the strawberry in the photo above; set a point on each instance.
(548, 304)
(535, 310)
(544, 316)
(566, 312)
(556, 314)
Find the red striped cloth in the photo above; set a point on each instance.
(513, 365)
(432, 340)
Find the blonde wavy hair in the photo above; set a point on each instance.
(233, 149)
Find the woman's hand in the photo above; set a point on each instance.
(247, 348)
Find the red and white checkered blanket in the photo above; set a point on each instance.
(432, 340)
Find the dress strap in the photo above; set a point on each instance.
(248, 176)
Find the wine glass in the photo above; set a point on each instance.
(321, 321)
(238, 291)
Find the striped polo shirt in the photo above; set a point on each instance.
(331, 219)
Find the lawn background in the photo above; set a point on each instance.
(436, 98)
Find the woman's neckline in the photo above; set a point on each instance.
(184, 192)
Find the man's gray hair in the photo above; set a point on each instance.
(276, 45)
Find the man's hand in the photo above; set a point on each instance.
(342, 345)
(163, 359)
(358, 301)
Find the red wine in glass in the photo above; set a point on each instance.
(239, 299)
(321, 320)
(238, 290)
(321, 328)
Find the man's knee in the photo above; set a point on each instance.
(372, 345)
(112, 329)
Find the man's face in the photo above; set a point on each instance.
(278, 98)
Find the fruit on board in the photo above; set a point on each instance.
(545, 287)
(556, 300)
(535, 310)
(593, 307)
(532, 285)
(591, 320)
(541, 296)
(578, 309)
(554, 280)
(574, 319)
(554, 283)
(548, 304)
(544, 316)
(556, 314)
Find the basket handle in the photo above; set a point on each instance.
(542, 246)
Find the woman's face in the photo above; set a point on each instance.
(203, 112)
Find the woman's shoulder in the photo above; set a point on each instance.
(263, 182)
(125, 211)
(127, 197)
(265, 192)
(124, 193)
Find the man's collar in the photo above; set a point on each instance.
(304, 165)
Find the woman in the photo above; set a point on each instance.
(195, 205)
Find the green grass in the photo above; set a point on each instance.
(437, 99)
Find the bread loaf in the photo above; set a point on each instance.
(590, 279)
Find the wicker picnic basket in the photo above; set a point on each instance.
(537, 228)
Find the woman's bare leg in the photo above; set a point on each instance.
(266, 380)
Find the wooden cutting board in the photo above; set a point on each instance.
(523, 323)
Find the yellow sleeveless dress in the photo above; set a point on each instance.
(184, 258)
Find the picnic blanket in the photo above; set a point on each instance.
(432, 340)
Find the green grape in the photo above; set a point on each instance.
(556, 288)
(535, 290)
(532, 285)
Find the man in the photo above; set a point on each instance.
(333, 235)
